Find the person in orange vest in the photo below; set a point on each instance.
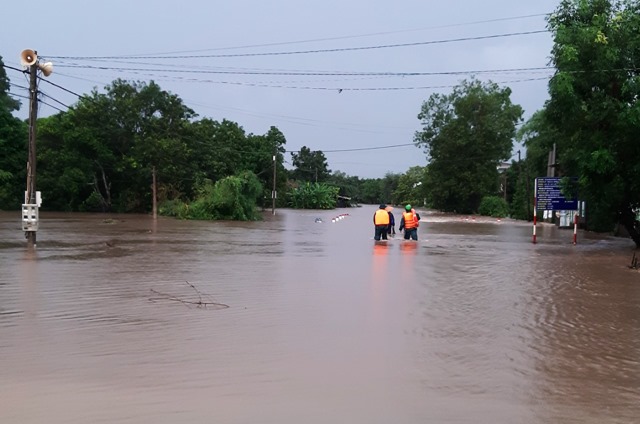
(410, 222)
(381, 222)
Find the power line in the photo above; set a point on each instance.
(18, 86)
(15, 69)
(62, 88)
(334, 50)
(313, 73)
(369, 148)
(55, 100)
(392, 146)
(317, 88)
(40, 101)
(19, 95)
(339, 90)
(340, 37)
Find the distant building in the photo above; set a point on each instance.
(502, 168)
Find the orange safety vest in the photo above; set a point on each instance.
(410, 220)
(381, 217)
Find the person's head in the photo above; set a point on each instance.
(383, 206)
(408, 208)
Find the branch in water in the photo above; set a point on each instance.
(200, 303)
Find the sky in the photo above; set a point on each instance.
(265, 63)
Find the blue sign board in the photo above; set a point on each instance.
(549, 196)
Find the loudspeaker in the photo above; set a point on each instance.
(28, 57)
(46, 68)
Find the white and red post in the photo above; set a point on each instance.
(575, 228)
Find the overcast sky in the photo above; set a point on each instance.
(322, 112)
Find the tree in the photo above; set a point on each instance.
(111, 142)
(13, 148)
(594, 106)
(349, 186)
(466, 134)
(411, 187)
(6, 102)
(310, 165)
(260, 152)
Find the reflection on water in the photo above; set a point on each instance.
(472, 323)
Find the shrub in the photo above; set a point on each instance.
(313, 196)
(231, 198)
(493, 206)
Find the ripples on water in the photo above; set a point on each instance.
(471, 324)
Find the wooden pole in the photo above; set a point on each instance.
(31, 163)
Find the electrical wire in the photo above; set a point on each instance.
(62, 88)
(333, 50)
(39, 101)
(55, 100)
(18, 86)
(315, 73)
(317, 88)
(392, 146)
(510, 18)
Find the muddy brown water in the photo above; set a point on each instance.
(471, 324)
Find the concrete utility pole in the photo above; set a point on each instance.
(30, 197)
(274, 193)
(551, 163)
(551, 172)
(154, 190)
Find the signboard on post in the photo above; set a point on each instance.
(556, 194)
(550, 197)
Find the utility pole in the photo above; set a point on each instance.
(551, 171)
(30, 197)
(154, 190)
(505, 185)
(29, 60)
(526, 178)
(551, 163)
(274, 193)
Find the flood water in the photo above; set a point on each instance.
(305, 322)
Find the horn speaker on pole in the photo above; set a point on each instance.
(28, 57)
(46, 68)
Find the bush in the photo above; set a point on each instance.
(231, 198)
(313, 196)
(493, 206)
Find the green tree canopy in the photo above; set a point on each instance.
(594, 105)
(411, 187)
(13, 148)
(466, 134)
(110, 142)
(310, 165)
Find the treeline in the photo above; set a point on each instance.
(592, 121)
(102, 154)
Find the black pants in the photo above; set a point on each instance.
(411, 233)
(381, 231)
